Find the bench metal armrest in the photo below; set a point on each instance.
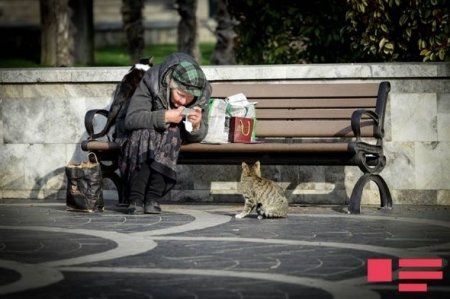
(89, 123)
(356, 123)
(369, 158)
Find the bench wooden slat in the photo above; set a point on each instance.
(94, 145)
(305, 114)
(310, 128)
(266, 147)
(314, 103)
(254, 90)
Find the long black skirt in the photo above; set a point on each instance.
(159, 149)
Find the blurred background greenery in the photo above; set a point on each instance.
(222, 32)
(118, 56)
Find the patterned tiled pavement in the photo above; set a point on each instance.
(202, 251)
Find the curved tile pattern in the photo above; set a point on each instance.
(322, 252)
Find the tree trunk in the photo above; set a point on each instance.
(187, 28)
(83, 19)
(224, 49)
(134, 27)
(57, 33)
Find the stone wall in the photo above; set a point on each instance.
(42, 113)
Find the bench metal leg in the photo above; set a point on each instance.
(116, 179)
(109, 166)
(354, 206)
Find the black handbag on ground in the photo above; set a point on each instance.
(84, 185)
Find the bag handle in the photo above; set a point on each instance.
(243, 127)
(92, 157)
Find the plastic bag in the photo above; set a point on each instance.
(238, 106)
(218, 126)
(220, 112)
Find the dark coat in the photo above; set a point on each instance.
(151, 99)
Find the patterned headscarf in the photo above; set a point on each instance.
(189, 78)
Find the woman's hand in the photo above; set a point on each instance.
(195, 117)
(174, 116)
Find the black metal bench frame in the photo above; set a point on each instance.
(349, 145)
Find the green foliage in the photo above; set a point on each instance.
(396, 30)
(112, 56)
(17, 62)
(118, 56)
(288, 31)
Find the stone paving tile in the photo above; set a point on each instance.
(169, 286)
(113, 220)
(202, 251)
(326, 263)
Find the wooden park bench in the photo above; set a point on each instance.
(296, 124)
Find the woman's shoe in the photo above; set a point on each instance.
(152, 208)
(135, 209)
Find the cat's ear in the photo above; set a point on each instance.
(244, 165)
(257, 168)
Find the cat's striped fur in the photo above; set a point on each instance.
(265, 195)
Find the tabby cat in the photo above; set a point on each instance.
(260, 193)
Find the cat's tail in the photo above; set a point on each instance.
(276, 214)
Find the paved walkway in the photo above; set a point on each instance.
(202, 251)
